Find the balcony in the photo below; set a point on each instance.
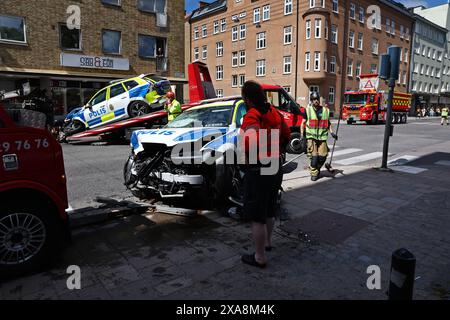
(162, 64)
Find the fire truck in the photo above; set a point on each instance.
(370, 104)
(33, 195)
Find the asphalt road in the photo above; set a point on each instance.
(94, 171)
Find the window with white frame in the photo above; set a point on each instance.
(432, 71)
(241, 80)
(287, 65)
(375, 46)
(422, 68)
(219, 49)
(404, 77)
(242, 31)
(326, 29)
(158, 6)
(335, 6)
(352, 11)
(416, 48)
(223, 25)
(333, 64)
(13, 30)
(242, 58)
(196, 33)
(424, 50)
(216, 27)
(219, 93)
(402, 31)
(429, 52)
(360, 41)
(316, 61)
(414, 85)
(196, 54)
(373, 68)
(318, 28)
(204, 52)
(266, 12)
(325, 62)
(351, 39)
(334, 34)
(392, 27)
(234, 81)
(427, 70)
(308, 29)
(361, 14)
(260, 68)
(416, 67)
(307, 61)
(388, 25)
(234, 33)
(288, 7)
(438, 72)
(406, 53)
(204, 31)
(234, 59)
(219, 72)
(399, 80)
(288, 35)
(256, 15)
(439, 55)
(260, 40)
(420, 85)
(350, 67)
(407, 37)
(331, 94)
(358, 68)
(434, 54)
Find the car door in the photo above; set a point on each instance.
(96, 109)
(117, 102)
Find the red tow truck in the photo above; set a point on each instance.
(33, 195)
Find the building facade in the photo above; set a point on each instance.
(73, 48)
(302, 45)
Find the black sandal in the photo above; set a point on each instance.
(251, 260)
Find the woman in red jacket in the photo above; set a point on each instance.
(263, 138)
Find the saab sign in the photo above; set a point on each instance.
(94, 62)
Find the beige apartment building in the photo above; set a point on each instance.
(73, 48)
(301, 45)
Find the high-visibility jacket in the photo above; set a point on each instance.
(444, 112)
(317, 129)
(173, 110)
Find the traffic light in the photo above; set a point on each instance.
(390, 64)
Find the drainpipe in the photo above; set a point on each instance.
(296, 52)
(344, 55)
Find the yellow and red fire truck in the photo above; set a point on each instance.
(370, 104)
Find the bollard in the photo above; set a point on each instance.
(403, 267)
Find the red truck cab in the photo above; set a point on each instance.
(33, 194)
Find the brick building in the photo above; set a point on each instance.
(114, 39)
(304, 46)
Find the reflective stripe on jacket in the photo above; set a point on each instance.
(173, 110)
(317, 129)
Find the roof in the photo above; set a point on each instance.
(429, 22)
(214, 7)
(397, 6)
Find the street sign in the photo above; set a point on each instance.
(368, 82)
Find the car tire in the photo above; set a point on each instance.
(296, 144)
(73, 128)
(41, 237)
(138, 108)
(349, 122)
(224, 184)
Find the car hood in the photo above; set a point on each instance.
(173, 136)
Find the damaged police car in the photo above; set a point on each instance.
(194, 156)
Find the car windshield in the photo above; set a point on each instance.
(355, 98)
(219, 116)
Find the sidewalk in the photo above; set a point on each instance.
(336, 229)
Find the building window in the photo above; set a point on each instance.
(234, 59)
(204, 31)
(234, 81)
(393, 27)
(261, 40)
(438, 73)
(287, 89)
(325, 62)
(266, 12)
(326, 29)
(351, 39)
(13, 29)
(361, 14)
(352, 11)
(334, 34)
(223, 25)
(439, 56)
(388, 25)
(111, 2)
(358, 68)
(416, 67)
(318, 28)
(434, 54)
(373, 68)
(375, 46)
(196, 54)
(219, 93)
(287, 64)
(256, 15)
(288, 35)
(242, 58)
(260, 68)
(402, 31)
(316, 61)
(308, 29)
(111, 41)
(424, 50)
(219, 49)
(149, 46)
(360, 41)
(307, 61)
(427, 70)
(312, 3)
(313, 89)
(406, 53)
(407, 34)
(234, 33)
(241, 80)
(336, 6)
(69, 39)
(287, 7)
(196, 33)
(216, 27)
(404, 77)
(242, 31)
(349, 67)
(429, 52)
(333, 64)
(219, 72)
(422, 68)
(152, 5)
(204, 52)
(331, 95)
(414, 85)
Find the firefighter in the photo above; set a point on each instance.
(444, 115)
(317, 125)
(172, 106)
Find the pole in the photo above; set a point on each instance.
(388, 128)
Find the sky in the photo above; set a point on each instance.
(193, 4)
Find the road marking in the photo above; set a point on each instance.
(443, 163)
(402, 160)
(346, 151)
(408, 169)
(364, 157)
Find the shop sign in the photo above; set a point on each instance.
(94, 62)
